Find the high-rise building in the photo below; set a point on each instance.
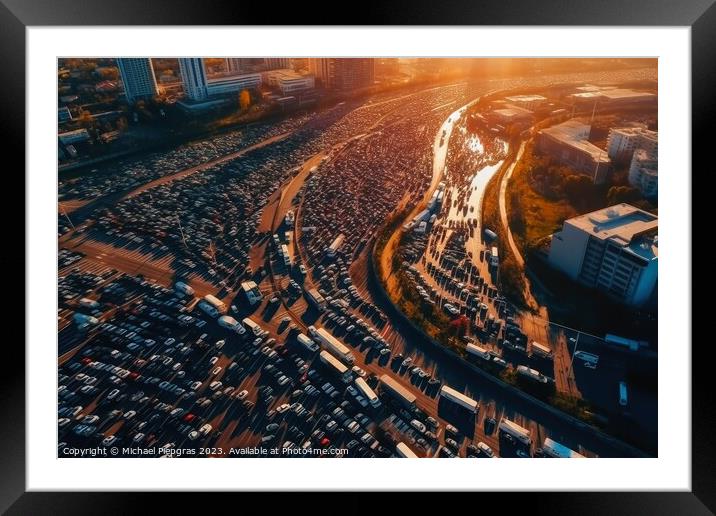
(622, 142)
(193, 76)
(343, 74)
(235, 65)
(644, 173)
(614, 250)
(138, 78)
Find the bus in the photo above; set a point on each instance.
(335, 246)
(554, 450)
(316, 299)
(333, 345)
(404, 452)
(307, 342)
(400, 393)
(251, 325)
(336, 366)
(540, 350)
(369, 393)
(208, 309)
(215, 302)
(459, 399)
(532, 374)
(516, 431)
(286, 255)
(477, 351)
(623, 394)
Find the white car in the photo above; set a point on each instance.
(283, 408)
(213, 360)
(242, 395)
(214, 385)
(216, 371)
(360, 372)
(109, 440)
(420, 427)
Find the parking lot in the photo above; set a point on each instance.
(143, 363)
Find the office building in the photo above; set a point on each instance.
(343, 74)
(193, 76)
(622, 142)
(531, 102)
(236, 65)
(288, 81)
(616, 97)
(138, 78)
(614, 250)
(510, 115)
(233, 84)
(567, 143)
(644, 173)
(277, 63)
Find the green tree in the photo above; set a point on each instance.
(619, 194)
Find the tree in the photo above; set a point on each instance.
(577, 188)
(244, 100)
(619, 194)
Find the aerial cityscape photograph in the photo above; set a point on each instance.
(364, 257)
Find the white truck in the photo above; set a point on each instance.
(333, 345)
(183, 288)
(228, 322)
(307, 342)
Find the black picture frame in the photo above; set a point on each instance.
(17, 15)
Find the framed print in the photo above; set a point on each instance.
(251, 247)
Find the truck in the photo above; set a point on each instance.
(228, 322)
(216, 303)
(514, 430)
(554, 450)
(392, 387)
(286, 255)
(208, 309)
(477, 351)
(459, 399)
(332, 344)
(252, 292)
(404, 452)
(366, 391)
(335, 246)
(532, 374)
(307, 342)
(494, 257)
(183, 288)
(253, 327)
(489, 234)
(540, 350)
(89, 303)
(316, 299)
(336, 366)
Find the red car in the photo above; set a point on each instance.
(325, 442)
(86, 360)
(189, 418)
(133, 375)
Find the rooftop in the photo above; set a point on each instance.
(525, 98)
(625, 225)
(513, 111)
(625, 94)
(575, 134)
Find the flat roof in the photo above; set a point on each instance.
(513, 111)
(572, 133)
(525, 98)
(624, 93)
(632, 228)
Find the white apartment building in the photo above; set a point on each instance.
(233, 84)
(289, 82)
(531, 102)
(614, 250)
(622, 142)
(644, 173)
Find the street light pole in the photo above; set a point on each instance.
(576, 343)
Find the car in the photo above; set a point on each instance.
(407, 362)
(432, 422)
(452, 444)
(271, 428)
(213, 360)
(331, 426)
(485, 449)
(214, 385)
(242, 395)
(384, 351)
(419, 426)
(109, 440)
(445, 452)
(283, 408)
(216, 371)
(451, 430)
